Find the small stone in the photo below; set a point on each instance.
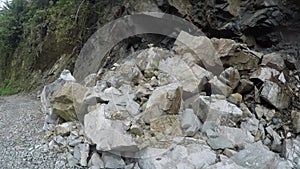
(282, 78)
(229, 153)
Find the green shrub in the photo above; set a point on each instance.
(8, 88)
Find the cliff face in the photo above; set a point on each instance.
(55, 32)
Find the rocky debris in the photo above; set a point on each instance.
(195, 45)
(190, 122)
(231, 77)
(112, 161)
(273, 60)
(218, 87)
(291, 152)
(191, 77)
(275, 95)
(264, 73)
(67, 102)
(192, 156)
(96, 126)
(252, 155)
(216, 109)
(296, 121)
(236, 55)
(160, 108)
(164, 100)
(51, 118)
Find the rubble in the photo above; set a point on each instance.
(160, 108)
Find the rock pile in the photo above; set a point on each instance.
(207, 103)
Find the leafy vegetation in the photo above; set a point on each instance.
(8, 88)
(35, 34)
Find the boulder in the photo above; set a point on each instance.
(90, 80)
(252, 155)
(202, 49)
(218, 87)
(275, 95)
(296, 121)
(112, 161)
(191, 77)
(216, 108)
(273, 60)
(51, 118)
(236, 136)
(231, 77)
(164, 100)
(96, 161)
(245, 86)
(236, 55)
(186, 156)
(291, 151)
(68, 102)
(190, 123)
(108, 135)
(264, 73)
(127, 73)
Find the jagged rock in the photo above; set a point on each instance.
(245, 86)
(51, 118)
(164, 100)
(291, 151)
(107, 134)
(237, 137)
(273, 60)
(190, 122)
(216, 108)
(276, 144)
(189, 156)
(191, 77)
(231, 77)
(275, 95)
(236, 55)
(68, 102)
(282, 78)
(263, 111)
(218, 87)
(122, 106)
(65, 128)
(96, 161)
(219, 143)
(187, 43)
(256, 156)
(81, 153)
(251, 125)
(127, 73)
(90, 80)
(296, 121)
(264, 73)
(112, 161)
(235, 98)
(149, 60)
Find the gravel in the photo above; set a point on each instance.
(22, 143)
